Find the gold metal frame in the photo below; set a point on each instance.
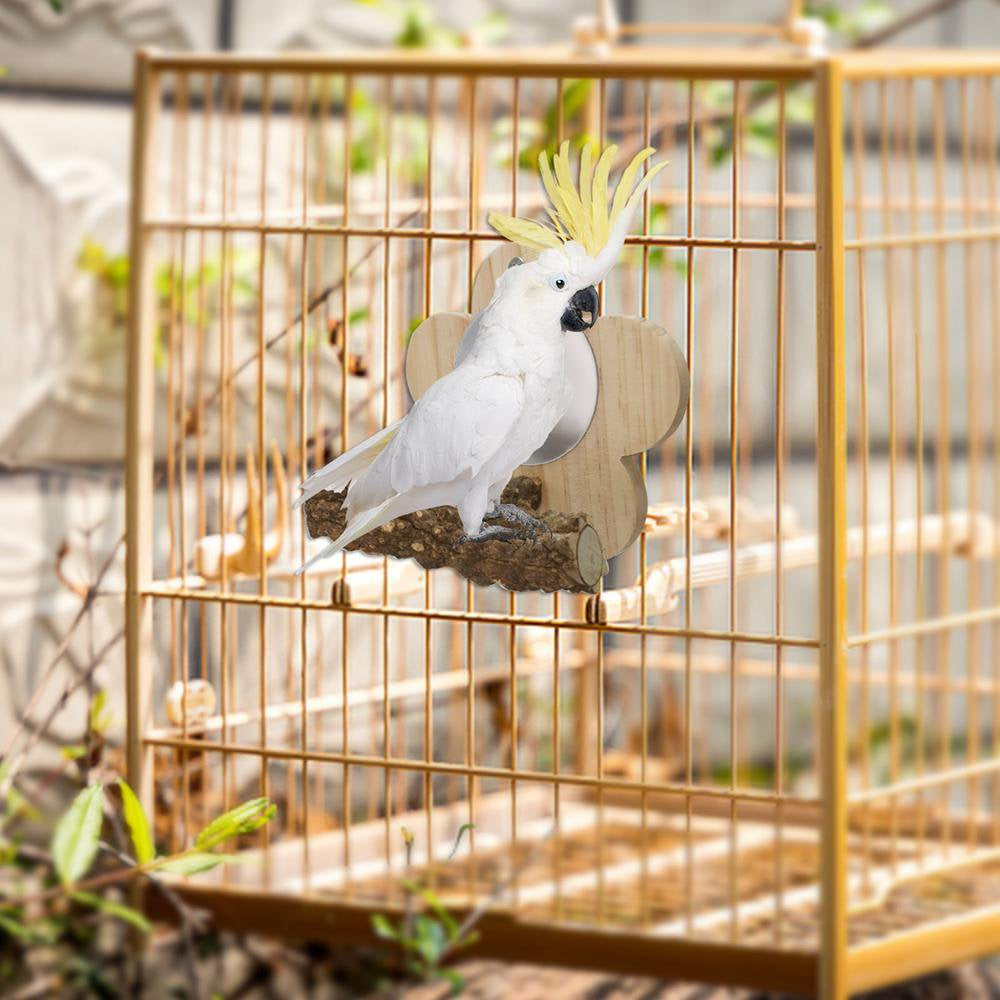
(833, 968)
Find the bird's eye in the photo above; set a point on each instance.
(558, 282)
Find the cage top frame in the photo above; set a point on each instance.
(622, 62)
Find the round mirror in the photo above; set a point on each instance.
(581, 370)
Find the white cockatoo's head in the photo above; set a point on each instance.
(582, 245)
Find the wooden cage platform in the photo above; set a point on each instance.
(677, 882)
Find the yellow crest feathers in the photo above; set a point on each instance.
(579, 211)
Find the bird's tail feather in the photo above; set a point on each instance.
(337, 474)
(365, 521)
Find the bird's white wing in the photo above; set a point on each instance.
(468, 338)
(337, 474)
(453, 430)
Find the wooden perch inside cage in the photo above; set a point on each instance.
(243, 553)
(568, 556)
(361, 579)
(964, 533)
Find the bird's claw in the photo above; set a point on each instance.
(488, 533)
(513, 514)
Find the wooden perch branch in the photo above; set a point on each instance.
(569, 557)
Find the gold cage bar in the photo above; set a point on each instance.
(768, 752)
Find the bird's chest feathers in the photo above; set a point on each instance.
(535, 356)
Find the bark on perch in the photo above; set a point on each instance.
(570, 558)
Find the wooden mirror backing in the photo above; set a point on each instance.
(642, 397)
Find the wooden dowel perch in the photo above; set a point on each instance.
(971, 535)
(241, 552)
(567, 557)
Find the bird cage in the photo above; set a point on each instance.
(766, 750)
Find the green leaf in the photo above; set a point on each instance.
(415, 321)
(245, 818)
(74, 842)
(462, 830)
(38, 932)
(193, 863)
(74, 752)
(8, 853)
(431, 898)
(92, 256)
(493, 28)
(384, 929)
(100, 718)
(16, 804)
(138, 824)
(454, 979)
(114, 909)
(430, 938)
(12, 927)
(870, 16)
(471, 938)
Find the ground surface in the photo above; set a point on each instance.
(497, 981)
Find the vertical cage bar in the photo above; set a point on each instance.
(470, 647)
(556, 688)
(201, 349)
(139, 432)
(183, 108)
(864, 694)
(303, 448)
(889, 275)
(779, 482)
(920, 653)
(345, 620)
(265, 112)
(689, 203)
(993, 203)
(643, 564)
(943, 457)
(602, 128)
(734, 456)
(831, 459)
(973, 442)
(387, 98)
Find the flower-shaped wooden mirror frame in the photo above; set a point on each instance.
(642, 396)
(591, 498)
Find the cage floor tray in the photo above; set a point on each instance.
(619, 868)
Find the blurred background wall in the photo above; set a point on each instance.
(64, 142)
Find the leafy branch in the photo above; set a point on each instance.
(426, 939)
(46, 917)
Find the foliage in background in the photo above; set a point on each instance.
(852, 23)
(418, 26)
(427, 939)
(48, 899)
(193, 299)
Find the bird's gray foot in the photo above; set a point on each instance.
(490, 532)
(513, 514)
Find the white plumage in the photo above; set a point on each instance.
(466, 435)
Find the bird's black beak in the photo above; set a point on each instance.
(581, 313)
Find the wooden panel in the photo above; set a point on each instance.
(642, 396)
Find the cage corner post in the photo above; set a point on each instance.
(139, 431)
(831, 470)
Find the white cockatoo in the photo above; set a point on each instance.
(464, 438)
